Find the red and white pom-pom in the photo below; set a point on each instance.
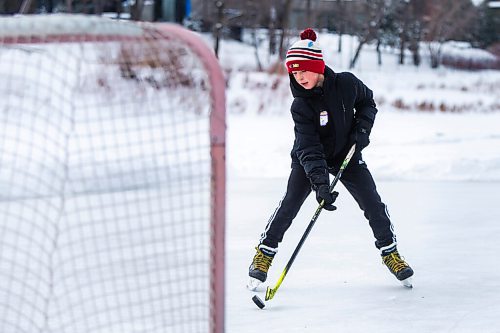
(308, 34)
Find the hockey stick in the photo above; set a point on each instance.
(270, 292)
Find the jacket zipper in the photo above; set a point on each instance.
(343, 108)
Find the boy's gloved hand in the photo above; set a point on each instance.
(323, 193)
(360, 135)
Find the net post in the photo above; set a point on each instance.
(218, 180)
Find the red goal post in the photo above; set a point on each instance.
(112, 177)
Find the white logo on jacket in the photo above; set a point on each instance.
(323, 118)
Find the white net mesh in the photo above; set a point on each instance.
(104, 180)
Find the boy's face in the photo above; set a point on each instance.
(306, 79)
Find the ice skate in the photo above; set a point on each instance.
(397, 266)
(260, 265)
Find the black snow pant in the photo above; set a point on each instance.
(357, 179)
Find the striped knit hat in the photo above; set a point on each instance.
(305, 54)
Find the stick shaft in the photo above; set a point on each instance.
(270, 292)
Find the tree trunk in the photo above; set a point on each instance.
(342, 23)
(136, 10)
(402, 42)
(25, 7)
(402, 47)
(308, 14)
(415, 51)
(119, 8)
(284, 25)
(339, 48)
(379, 54)
(356, 55)
(256, 50)
(218, 26)
(272, 41)
(272, 30)
(435, 54)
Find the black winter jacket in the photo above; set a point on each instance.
(324, 117)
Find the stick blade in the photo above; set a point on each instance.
(270, 293)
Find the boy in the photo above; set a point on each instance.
(331, 111)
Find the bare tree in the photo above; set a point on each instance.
(446, 19)
(403, 22)
(409, 22)
(217, 29)
(283, 21)
(309, 18)
(25, 7)
(341, 27)
(415, 32)
(368, 26)
(272, 28)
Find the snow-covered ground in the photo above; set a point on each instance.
(438, 172)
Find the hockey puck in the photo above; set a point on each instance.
(258, 302)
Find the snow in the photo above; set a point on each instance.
(438, 172)
(67, 24)
(494, 4)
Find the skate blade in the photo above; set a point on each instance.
(253, 284)
(408, 283)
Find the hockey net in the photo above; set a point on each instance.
(112, 177)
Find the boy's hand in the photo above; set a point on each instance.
(323, 193)
(360, 135)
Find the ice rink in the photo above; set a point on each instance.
(447, 230)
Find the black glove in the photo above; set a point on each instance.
(360, 135)
(323, 193)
